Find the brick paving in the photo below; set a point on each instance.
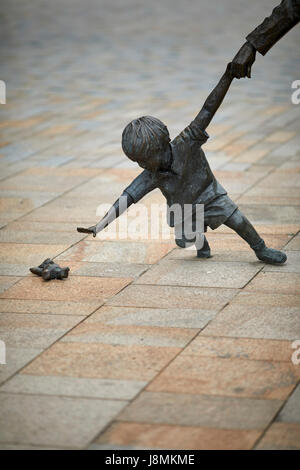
(144, 346)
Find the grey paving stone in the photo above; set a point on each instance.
(16, 359)
(290, 413)
(190, 273)
(73, 387)
(201, 410)
(51, 421)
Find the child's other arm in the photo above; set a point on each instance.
(214, 100)
(140, 186)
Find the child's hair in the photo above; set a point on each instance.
(144, 137)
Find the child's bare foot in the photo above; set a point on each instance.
(269, 255)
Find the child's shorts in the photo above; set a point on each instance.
(216, 213)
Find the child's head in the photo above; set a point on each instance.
(146, 141)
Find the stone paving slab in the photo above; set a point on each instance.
(200, 410)
(70, 422)
(163, 436)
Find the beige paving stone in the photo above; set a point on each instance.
(116, 252)
(73, 387)
(280, 136)
(73, 289)
(190, 273)
(16, 358)
(93, 331)
(37, 179)
(109, 269)
(232, 242)
(163, 436)
(273, 319)
(172, 297)
(235, 377)
(201, 410)
(160, 317)
(33, 330)
(51, 307)
(107, 361)
(70, 422)
(32, 226)
(239, 348)
(7, 281)
(236, 257)
(285, 283)
(31, 254)
(290, 413)
(41, 238)
(266, 215)
(281, 436)
(245, 297)
(294, 244)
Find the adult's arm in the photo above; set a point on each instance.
(283, 18)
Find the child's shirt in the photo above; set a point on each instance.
(189, 180)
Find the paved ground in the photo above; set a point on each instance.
(144, 346)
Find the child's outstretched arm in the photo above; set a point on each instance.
(139, 187)
(214, 100)
(120, 206)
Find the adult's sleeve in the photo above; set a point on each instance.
(283, 18)
(141, 185)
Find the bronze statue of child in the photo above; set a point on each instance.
(181, 171)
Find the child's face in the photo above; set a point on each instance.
(157, 162)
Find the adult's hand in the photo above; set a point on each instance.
(242, 62)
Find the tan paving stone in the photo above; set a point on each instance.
(33, 330)
(37, 179)
(73, 387)
(285, 283)
(172, 297)
(31, 254)
(280, 136)
(190, 273)
(93, 331)
(71, 422)
(116, 252)
(239, 348)
(51, 307)
(293, 244)
(161, 317)
(281, 436)
(41, 238)
(7, 281)
(102, 361)
(272, 319)
(163, 436)
(201, 410)
(109, 269)
(73, 289)
(235, 377)
(231, 241)
(16, 358)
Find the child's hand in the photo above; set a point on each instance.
(243, 61)
(88, 230)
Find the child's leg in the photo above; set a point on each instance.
(241, 225)
(202, 247)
